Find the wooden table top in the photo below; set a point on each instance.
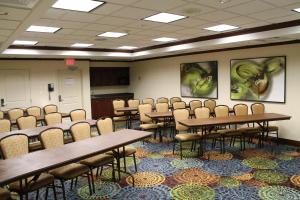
(40, 161)
(34, 132)
(42, 117)
(154, 115)
(232, 119)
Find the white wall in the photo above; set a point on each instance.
(161, 77)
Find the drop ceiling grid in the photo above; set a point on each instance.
(124, 16)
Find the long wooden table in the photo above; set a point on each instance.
(40, 161)
(34, 132)
(42, 118)
(257, 118)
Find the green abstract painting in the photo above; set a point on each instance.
(199, 79)
(258, 79)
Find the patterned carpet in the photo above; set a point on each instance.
(269, 173)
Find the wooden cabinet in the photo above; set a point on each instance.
(102, 104)
(109, 76)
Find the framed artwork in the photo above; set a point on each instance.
(258, 79)
(199, 79)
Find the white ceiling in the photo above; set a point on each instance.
(126, 15)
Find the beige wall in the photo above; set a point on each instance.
(161, 77)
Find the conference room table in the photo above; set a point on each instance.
(261, 119)
(34, 132)
(41, 118)
(30, 164)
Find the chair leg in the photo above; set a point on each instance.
(101, 170)
(97, 172)
(54, 191)
(76, 181)
(92, 179)
(174, 144)
(113, 171)
(46, 194)
(37, 194)
(63, 189)
(119, 167)
(71, 186)
(134, 160)
(180, 149)
(124, 162)
(89, 183)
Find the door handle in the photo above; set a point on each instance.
(59, 98)
(2, 103)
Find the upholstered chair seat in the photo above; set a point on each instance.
(187, 137)
(128, 151)
(98, 160)
(69, 171)
(4, 194)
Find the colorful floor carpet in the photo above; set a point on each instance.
(269, 173)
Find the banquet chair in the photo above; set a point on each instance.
(53, 118)
(4, 194)
(148, 101)
(179, 105)
(174, 99)
(1, 114)
(5, 125)
(211, 104)
(34, 111)
(15, 113)
(119, 116)
(15, 146)
(51, 108)
(193, 105)
(162, 100)
(78, 114)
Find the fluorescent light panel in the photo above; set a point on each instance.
(297, 10)
(164, 39)
(81, 45)
(164, 17)
(127, 47)
(221, 27)
(24, 42)
(77, 5)
(112, 34)
(42, 29)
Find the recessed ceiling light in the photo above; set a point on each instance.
(78, 5)
(81, 45)
(112, 34)
(164, 39)
(297, 10)
(222, 27)
(24, 42)
(127, 47)
(164, 17)
(43, 29)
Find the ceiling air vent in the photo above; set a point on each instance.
(19, 3)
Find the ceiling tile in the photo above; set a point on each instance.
(269, 14)
(81, 17)
(114, 21)
(86, 33)
(190, 22)
(250, 7)
(98, 27)
(217, 4)
(2, 38)
(217, 16)
(65, 31)
(284, 19)
(59, 23)
(133, 13)
(122, 2)
(255, 24)
(190, 31)
(8, 24)
(53, 13)
(281, 2)
(159, 5)
(13, 13)
(238, 21)
(5, 32)
(141, 24)
(191, 9)
(107, 9)
(168, 28)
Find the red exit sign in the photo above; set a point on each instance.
(70, 61)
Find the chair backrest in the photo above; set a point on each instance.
(14, 145)
(240, 109)
(52, 137)
(211, 104)
(53, 118)
(258, 108)
(181, 114)
(26, 122)
(78, 114)
(162, 107)
(5, 125)
(34, 111)
(221, 111)
(80, 131)
(174, 99)
(15, 113)
(133, 103)
(148, 101)
(145, 108)
(51, 108)
(118, 103)
(162, 100)
(105, 126)
(179, 105)
(195, 104)
(1, 114)
(202, 113)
